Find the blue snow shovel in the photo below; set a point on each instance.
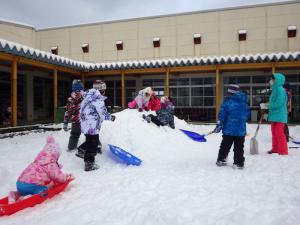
(124, 156)
(195, 136)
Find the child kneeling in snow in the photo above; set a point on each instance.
(165, 116)
(141, 100)
(43, 173)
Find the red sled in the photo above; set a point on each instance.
(7, 209)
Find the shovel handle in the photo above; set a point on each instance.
(259, 123)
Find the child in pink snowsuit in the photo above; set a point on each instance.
(42, 173)
(141, 100)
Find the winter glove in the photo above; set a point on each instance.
(140, 110)
(113, 118)
(263, 106)
(70, 176)
(65, 127)
(218, 127)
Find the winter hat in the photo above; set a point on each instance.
(51, 145)
(148, 90)
(99, 85)
(233, 89)
(77, 86)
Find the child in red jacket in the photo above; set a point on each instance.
(154, 103)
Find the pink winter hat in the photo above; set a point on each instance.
(51, 145)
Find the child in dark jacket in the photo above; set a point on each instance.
(165, 116)
(233, 115)
(72, 113)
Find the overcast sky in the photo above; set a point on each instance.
(54, 13)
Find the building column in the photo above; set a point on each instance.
(123, 89)
(167, 83)
(54, 93)
(29, 97)
(14, 93)
(218, 96)
(273, 68)
(83, 79)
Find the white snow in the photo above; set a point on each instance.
(292, 27)
(242, 31)
(197, 35)
(84, 45)
(177, 183)
(156, 39)
(119, 42)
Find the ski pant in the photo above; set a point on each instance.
(82, 147)
(30, 189)
(75, 134)
(279, 144)
(238, 149)
(286, 132)
(155, 120)
(90, 147)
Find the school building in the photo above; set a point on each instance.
(190, 56)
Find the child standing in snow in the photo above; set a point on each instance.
(42, 173)
(141, 100)
(92, 114)
(101, 86)
(232, 118)
(165, 116)
(277, 114)
(72, 113)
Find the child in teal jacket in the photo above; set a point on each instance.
(277, 114)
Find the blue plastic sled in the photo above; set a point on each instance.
(194, 136)
(296, 142)
(126, 157)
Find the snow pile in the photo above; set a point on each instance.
(177, 183)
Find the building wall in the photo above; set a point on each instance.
(266, 32)
(266, 26)
(17, 33)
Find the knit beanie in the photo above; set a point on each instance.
(233, 89)
(77, 86)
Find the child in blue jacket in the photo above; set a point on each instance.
(232, 118)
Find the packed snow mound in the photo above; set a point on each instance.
(132, 133)
(177, 182)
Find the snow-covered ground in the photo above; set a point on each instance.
(177, 183)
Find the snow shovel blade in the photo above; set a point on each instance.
(296, 142)
(253, 146)
(194, 136)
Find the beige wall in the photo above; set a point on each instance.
(18, 33)
(266, 27)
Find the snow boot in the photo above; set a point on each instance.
(147, 118)
(271, 152)
(221, 163)
(89, 166)
(236, 166)
(80, 153)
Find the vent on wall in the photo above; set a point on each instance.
(119, 45)
(242, 35)
(156, 42)
(292, 31)
(197, 39)
(85, 48)
(54, 50)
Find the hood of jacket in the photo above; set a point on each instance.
(93, 95)
(279, 80)
(239, 97)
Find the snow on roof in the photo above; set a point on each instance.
(197, 35)
(242, 31)
(156, 39)
(22, 50)
(292, 27)
(54, 48)
(119, 42)
(84, 45)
